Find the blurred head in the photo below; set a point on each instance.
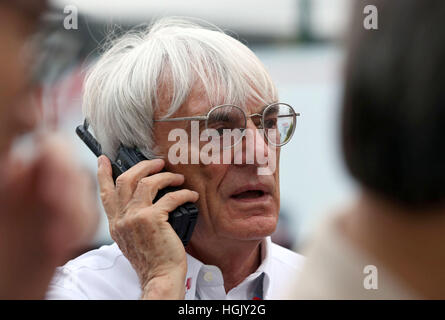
(18, 21)
(177, 69)
(394, 105)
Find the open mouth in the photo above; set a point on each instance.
(249, 194)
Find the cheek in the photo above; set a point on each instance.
(204, 179)
(277, 176)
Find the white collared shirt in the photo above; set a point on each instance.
(105, 273)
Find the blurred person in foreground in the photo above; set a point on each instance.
(391, 243)
(48, 211)
(146, 86)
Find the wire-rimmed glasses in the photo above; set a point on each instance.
(278, 120)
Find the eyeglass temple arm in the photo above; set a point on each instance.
(182, 119)
(201, 118)
(279, 116)
(297, 114)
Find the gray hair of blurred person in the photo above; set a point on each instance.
(127, 84)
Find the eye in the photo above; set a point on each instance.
(219, 126)
(227, 120)
(270, 123)
(220, 131)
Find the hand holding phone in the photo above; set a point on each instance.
(147, 211)
(140, 227)
(182, 219)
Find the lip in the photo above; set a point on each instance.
(264, 198)
(267, 190)
(258, 186)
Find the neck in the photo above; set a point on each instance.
(236, 259)
(410, 244)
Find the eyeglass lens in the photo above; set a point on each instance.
(278, 123)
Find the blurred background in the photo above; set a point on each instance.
(301, 43)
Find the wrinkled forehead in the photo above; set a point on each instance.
(215, 70)
(200, 102)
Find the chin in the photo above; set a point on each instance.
(252, 228)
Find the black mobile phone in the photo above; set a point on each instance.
(182, 219)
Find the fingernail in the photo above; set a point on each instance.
(99, 161)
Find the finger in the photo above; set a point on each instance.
(126, 183)
(172, 200)
(106, 184)
(148, 187)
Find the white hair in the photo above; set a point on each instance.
(124, 88)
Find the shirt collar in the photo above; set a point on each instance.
(266, 264)
(194, 266)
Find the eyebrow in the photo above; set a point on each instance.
(199, 118)
(204, 117)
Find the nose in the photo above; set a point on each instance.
(254, 148)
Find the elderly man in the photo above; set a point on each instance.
(181, 76)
